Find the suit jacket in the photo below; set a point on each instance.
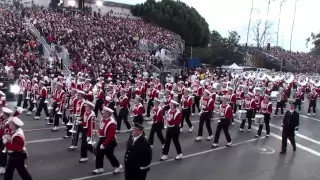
(137, 158)
(290, 122)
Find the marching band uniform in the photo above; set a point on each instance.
(138, 156)
(33, 95)
(281, 101)
(266, 110)
(198, 91)
(42, 101)
(107, 142)
(168, 98)
(87, 124)
(112, 104)
(158, 123)
(15, 144)
(137, 111)
(60, 100)
(123, 114)
(207, 106)
(240, 97)
(299, 98)
(153, 93)
(173, 132)
(290, 124)
(249, 104)
(186, 104)
(27, 93)
(225, 113)
(3, 99)
(22, 92)
(100, 98)
(258, 98)
(180, 90)
(232, 100)
(312, 101)
(71, 105)
(79, 112)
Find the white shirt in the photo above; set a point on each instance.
(135, 138)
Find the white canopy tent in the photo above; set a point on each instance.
(233, 67)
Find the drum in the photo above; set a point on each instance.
(217, 100)
(239, 102)
(259, 119)
(242, 114)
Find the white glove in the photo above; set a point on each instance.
(219, 121)
(78, 122)
(57, 109)
(88, 139)
(5, 139)
(101, 146)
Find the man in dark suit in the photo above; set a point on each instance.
(290, 125)
(138, 155)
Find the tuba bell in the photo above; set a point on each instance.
(261, 76)
(235, 75)
(288, 78)
(302, 81)
(273, 77)
(246, 74)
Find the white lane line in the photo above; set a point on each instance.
(170, 160)
(280, 138)
(59, 139)
(298, 134)
(36, 129)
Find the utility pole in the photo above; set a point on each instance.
(293, 21)
(279, 21)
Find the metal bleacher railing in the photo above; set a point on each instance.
(64, 55)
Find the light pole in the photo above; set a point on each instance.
(279, 21)
(249, 24)
(294, 19)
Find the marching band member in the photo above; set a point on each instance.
(124, 111)
(78, 114)
(232, 101)
(99, 99)
(186, 104)
(152, 93)
(173, 132)
(158, 122)
(249, 104)
(72, 104)
(107, 142)
(207, 106)
(197, 93)
(225, 113)
(5, 115)
(138, 155)
(258, 98)
(88, 89)
(26, 100)
(43, 93)
(112, 96)
(299, 96)
(33, 95)
(240, 97)
(290, 125)
(15, 145)
(180, 90)
(312, 101)
(137, 111)
(266, 110)
(3, 99)
(269, 89)
(87, 126)
(281, 101)
(60, 100)
(22, 92)
(167, 100)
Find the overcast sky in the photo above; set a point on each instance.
(226, 15)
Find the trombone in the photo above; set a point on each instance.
(94, 136)
(76, 118)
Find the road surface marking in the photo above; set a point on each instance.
(170, 160)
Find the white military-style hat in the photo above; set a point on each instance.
(88, 103)
(108, 98)
(16, 121)
(138, 97)
(106, 109)
(59, 83)
(81, 92)
(157, 100)
(7, 110)
(207, 91)
(174, 102)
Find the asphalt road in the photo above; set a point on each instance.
(247, 159)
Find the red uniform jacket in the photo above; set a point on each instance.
(249, 104)
(158, 115)
(88, 122)
(186, 102)
(138, 109)
(207, 104)
(174, 118)
(225, 111)
(123, 102)
(108, 130)
(16, 142)
(266, 108)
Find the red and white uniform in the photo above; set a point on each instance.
(140, 90)
(107, 130)
(158, 87)
(60, 99)
(167, 99)
(249, 104)
(43, 93)
(186, 102)
(123, 102)
(72, 101)
(16, 142)
(29, 85)
(225, 111)
(258, 98)
(174, 118)
(266, 107)
(79, 107)
(180, 89)
(231, 98)
(100, 94)
(35, 89)
(153, 93)
(22, 86)
(313, 97)
(283, 97)
(268, 91)
(198, 90)
(158, 116)
(207, 104)
(168, 86)
(240, 95)
(88, 122)
(138, 109)
(300, 95)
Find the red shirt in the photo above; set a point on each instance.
(266, 108)
(225, 111)
(186, 102)
(123, 102)
(138, 109)
(174, 118)
(108, 130)
(158, 115)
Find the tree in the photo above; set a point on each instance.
(220, 50)
(261, 32)
(54, 4)
(314, 39)
(177, 17)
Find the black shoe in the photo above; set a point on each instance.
(283, 152)
(294, 149)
